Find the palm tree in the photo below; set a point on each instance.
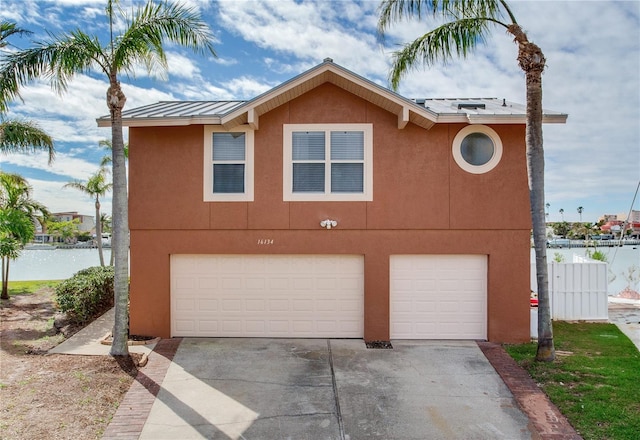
(561, 213)
(19, 136)
(467, 23)
(105, 224)
(580, 209)
(141, 41)
(95, 187)
(18, 214)
(8, 29)
(106, 160)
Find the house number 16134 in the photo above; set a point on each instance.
(265, 241)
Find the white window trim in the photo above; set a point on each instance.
(457, 152)
(287, 161)
(208, 194)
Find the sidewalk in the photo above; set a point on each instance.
(87, 340)
(625, 313)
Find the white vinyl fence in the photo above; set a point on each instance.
(578, 292)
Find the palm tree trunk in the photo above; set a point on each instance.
(5, 278)
(120, 216)
(532, 62)
(99, 232)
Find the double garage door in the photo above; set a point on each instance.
(322, 296)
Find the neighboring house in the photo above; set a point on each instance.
(330, 207)
(86, 223)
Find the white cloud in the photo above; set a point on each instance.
(65, 165)
(59, 199)
(308, 31)
(225, 61)
(247, 88)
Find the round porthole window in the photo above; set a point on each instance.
(477, 149)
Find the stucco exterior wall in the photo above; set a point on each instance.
(423, 203)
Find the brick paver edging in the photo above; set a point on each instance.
(129, 419)
(546, 418)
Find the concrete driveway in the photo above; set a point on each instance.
(332, 389)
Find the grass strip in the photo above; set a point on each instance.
(595, 380)
(26, 287)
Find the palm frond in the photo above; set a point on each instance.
(23, 137)
(394, 11)
(94, 187)
(457, 38)
(154, 23)
(77, 184)
(8, 29)
(57, 60)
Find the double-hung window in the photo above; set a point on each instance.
(228, 164)
(330, 162)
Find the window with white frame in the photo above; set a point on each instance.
(477, 149)
(228, 164)
(331, 162)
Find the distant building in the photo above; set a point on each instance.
(86, 222)
(608, 218)
(634, 217)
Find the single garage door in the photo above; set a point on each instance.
(305, 296)
(438, 297)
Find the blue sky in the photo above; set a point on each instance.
(593, 74)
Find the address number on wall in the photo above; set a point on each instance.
(265, 241)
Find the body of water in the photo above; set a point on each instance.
(56, 264)
(61, 264)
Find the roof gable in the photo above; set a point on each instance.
(422, 112)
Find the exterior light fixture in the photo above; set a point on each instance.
(328, 224)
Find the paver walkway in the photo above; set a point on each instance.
(134, 409)
(546, 418)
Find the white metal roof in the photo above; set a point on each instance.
(422, 112)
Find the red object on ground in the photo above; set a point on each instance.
(534, 302)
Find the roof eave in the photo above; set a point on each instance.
(511, 119)
(163, 122)
(333, 73)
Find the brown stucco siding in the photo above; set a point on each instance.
(508, 268)
(165, 178)
(417, 184)
(498, 197)
(423, 203)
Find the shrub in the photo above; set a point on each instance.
(87, 294)
(597, 255)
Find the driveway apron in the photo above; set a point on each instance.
(332, 389)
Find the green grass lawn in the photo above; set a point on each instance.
(22, 287)
(595, 380)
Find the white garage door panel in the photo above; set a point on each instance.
(438, 296)
(267, 295)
